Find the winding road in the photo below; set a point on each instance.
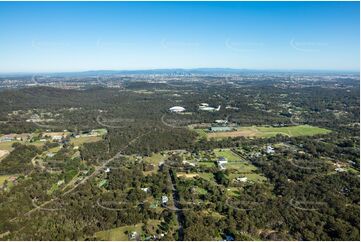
(96, 171)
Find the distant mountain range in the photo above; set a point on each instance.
(175, 71)
(211, 71)
(179, 71)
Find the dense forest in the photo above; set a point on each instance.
(78, 190)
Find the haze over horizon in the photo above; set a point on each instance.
(200, 70)
(83, 36)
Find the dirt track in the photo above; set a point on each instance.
(3, 153)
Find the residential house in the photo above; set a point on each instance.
(270, 150)
(221, 162)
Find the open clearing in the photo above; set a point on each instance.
(240, 167)
(3, 153)
(209, 164)
(207, 176)
(186, 175)
(119, 233)
(3, 178)
(266, 132)
(204, 175)
(82, 140)
(155, 158)
(228, 154)
(6, 145)
(122, 233)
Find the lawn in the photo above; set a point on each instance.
(7, 145)
(3, 178)
(100, 131)
(82, 140)
(201, 191)
(55, 149)
(152, 225)
(228, 154)
(53, 188)
(207, 176)
(233, 191)
(37, 143)
(155, 158)
(245, 168)
(214, 214)
(119, 233)
(252, 176)
(201, 133)
(256, 177)
(352, 170)
(208, 164)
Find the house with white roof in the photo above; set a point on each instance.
(221, 162)
(164, 199)
(270, 150)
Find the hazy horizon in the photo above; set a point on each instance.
(204, 69)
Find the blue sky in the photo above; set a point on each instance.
(76, 36)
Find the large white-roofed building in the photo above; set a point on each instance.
(208, 108)
(177, 109)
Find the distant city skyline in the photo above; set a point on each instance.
(82, 36)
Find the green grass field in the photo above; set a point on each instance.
(267, 131)
(233, 191)
(300, 130)
(36, 143)
(201, 133)
(121, 233)
(207, 164)
(228, 154)
(252, 176)
(155, 158)
(82, 140)
(243, 167)
(206, 176)
(53, 188)
(3, 178)
(118, 233)
(200, 190)
(239, 167)
(214, 214)
(6, 145)
(101, 131)
(246, 169)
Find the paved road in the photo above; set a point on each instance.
(178, 210)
